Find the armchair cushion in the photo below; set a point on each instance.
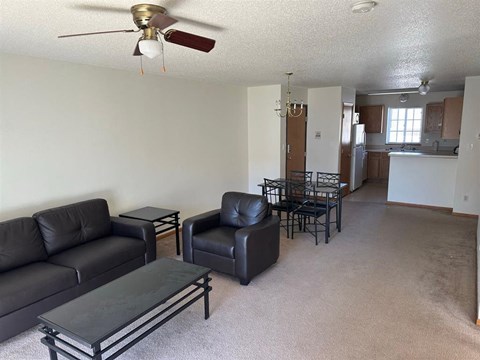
(220, 241)
(240, 209)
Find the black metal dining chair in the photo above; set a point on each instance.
(331, 180)
(306, 209)
(274, 191)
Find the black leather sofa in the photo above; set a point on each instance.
(61, 253)
(241, 239)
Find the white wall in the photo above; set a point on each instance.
(468, 174)
(415, 100)
(70, 132)
(325, 115)
(264, 136)
(424, 180)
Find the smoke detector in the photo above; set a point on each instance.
(361, 7)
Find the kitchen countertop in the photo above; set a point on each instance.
(432, 154)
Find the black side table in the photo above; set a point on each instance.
(163, 219)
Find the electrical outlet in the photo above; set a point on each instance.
(318, 134)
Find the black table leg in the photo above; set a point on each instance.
(206, 290)
(96, 352)
(51, 341)
(177, 239)
(339, 212)
(327, 219)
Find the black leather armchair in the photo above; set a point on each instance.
(241, 239)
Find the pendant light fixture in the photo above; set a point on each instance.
(290, 108)
(424, 88)
(361, 7)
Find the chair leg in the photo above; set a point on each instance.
(244, 282)
(316, 232)
(288, 227)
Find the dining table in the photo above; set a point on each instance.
(327, 190)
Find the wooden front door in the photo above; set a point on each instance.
(346, 146)
(296, 142)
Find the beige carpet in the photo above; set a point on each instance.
(396, 283)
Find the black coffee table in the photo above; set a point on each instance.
(162, 219)
(97, 316)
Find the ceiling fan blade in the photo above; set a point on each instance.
(101, 8)
(189, 40)
(96, 33)
(137, 52)
(161, 21)
(200, 24)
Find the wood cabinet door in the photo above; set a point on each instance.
(384, 166)
(372, 117)
(373, 170)
(433, 118)
(452, 117)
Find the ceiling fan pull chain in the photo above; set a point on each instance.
(164, 69)
(141, 66)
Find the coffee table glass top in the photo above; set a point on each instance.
(149, 213)
(95, 316)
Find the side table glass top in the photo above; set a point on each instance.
(150, 213)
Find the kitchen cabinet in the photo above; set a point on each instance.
(378, 165)
(433, 118)
(384, 166)
(452, 117)
(372, 117)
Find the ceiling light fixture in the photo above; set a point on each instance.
(424, 88)
(361, 7)
(290, 108)
(150, 48)
(403, 97)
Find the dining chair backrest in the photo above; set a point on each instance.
(301, 176)
(328, 179)
(274, 191)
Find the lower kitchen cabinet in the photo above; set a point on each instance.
(378, 165)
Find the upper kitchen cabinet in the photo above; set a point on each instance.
(452, 117)
(372, 117)
(433, 118)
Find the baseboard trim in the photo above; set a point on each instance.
(168, 233)
(420, 206)
(473, 216)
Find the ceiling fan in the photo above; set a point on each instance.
(152, 20)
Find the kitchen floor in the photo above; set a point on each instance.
(372, 192)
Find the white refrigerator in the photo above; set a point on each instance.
(358, 148)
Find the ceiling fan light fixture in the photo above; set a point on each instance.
(150, 48)
(361, 7)
(424, 88)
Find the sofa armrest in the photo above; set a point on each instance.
(194, 225)
(139, 229)
(257, 247)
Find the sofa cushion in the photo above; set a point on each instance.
(30, 283)
(20, 243)
(97, 257)
(219, 241)
(71, 225)
(241, 209)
